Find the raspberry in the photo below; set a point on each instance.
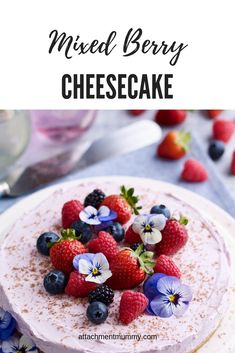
(70, 212)
(223, 130)
(132, 305)
(194, 171)
(105, 244)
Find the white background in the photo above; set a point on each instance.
(203, 77)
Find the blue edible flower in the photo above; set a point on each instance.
(16, 345)
(167, 295)
(92, 216)
(7, 325)
(94, 266)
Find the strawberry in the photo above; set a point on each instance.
(223, 130)
(131, 237)
(213, 113)
(77, 286)
(63, 252)
(174, 237)
(124, 204)
(194, 171)
(129, 268)
(232, 167)
(132, 305)
(174, 145)
(170, 117)
(166, 265)
(136, 112)
(105, 244)
(70, 212)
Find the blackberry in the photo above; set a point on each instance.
(102, 294)
(95, 198)
(136, 245)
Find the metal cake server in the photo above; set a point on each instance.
(26, 179)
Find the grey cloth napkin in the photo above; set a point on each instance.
(144, 163)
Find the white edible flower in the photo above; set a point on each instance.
(149, 227)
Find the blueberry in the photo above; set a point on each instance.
(117, 231)
(82, 230)
(161, 209)
(44, 240)
(216, 149)
(97, 312)
(55, 282)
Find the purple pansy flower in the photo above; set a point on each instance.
(167, 295)
(92, 216)
(16, 345)
(94, 266)
(7, 324)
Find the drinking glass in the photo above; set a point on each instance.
(62, 125)
(15, 129)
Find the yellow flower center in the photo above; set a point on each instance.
(95, 271)
(171, 298)
(174, 298)
(147, 227)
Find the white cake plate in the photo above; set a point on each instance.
(223, 340)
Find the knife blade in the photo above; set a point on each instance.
(129, 138)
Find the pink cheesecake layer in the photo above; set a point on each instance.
(57, 323)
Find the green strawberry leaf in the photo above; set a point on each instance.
(183, 220)
(130, 192)
(68, 233)
(145, 259)
(131, 199)
(183, 139)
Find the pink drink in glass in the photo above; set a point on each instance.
(62, 125)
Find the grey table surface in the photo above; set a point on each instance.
(220, 188)
(143, 163)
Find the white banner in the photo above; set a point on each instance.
(117, 55)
